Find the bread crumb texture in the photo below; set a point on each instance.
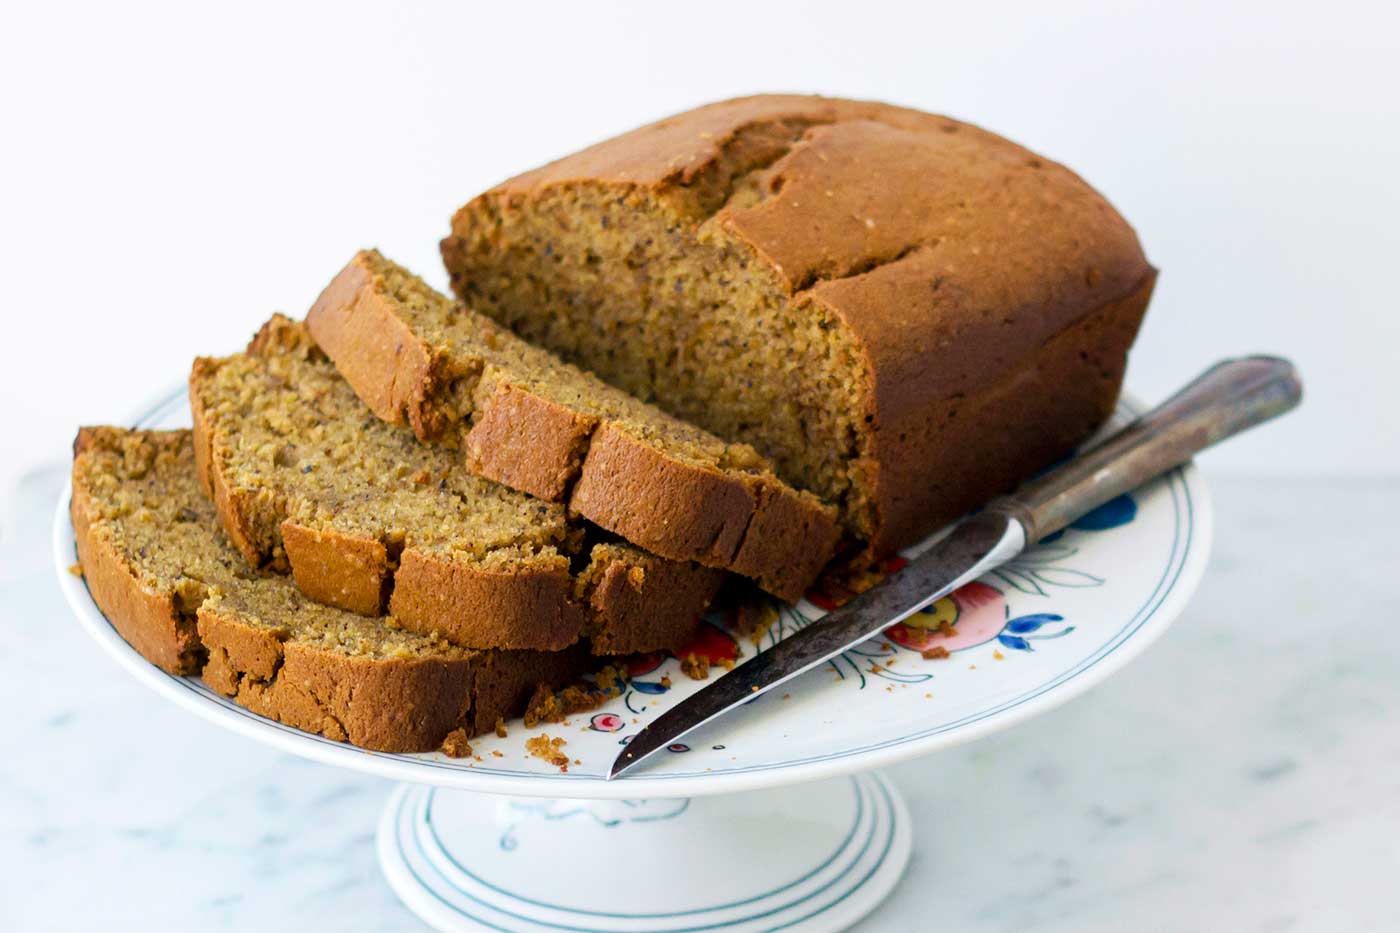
(160, 567)
(524, 418)
(548, 749)
(368, 519)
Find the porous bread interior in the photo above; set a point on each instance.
(297, 440)
(486, 354)
(146, 502)
(642, 290)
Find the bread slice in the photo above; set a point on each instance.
(306, 479)
(523, 418)
(159, 566)
(905, 314)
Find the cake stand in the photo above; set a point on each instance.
(774, 817)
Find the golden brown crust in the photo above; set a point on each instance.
(950, 256)
(756, 526)
(519, 438)
(1036, 413)
(209, 469)
(671, 508)
(506, 680)
(349, 571)
(475, 605)
(527, 442)
(391, 705)
(627, 599)
(782, 516)
(394, 373)
(149, 621)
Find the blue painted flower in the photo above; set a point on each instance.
(1018, 633)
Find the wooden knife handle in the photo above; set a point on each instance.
(1230, 397)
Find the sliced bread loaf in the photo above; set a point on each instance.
(305, 478)
(525, 419)
(906, 314)
(161, 569)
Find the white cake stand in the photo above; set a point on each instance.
(770, 819)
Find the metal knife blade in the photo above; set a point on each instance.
(972, 548)
(1230, 397)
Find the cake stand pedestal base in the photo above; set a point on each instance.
(807, 858)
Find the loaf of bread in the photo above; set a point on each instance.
(524, 419)
(305, 478)
(906, 314)
(160, 568)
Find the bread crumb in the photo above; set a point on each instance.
(666, 681)
(76, 570)
(496, 754)
(695, 667)
(547, 705)
(998, 655)
(611, 680)
(455, 744)
(501, 728)
(936, 653)
(547, 749)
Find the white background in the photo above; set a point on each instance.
(169, 175)
(174, 173)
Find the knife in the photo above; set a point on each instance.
(1228, 398)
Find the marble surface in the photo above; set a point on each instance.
(1243, 775)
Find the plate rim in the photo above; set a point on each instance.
(1082, 677)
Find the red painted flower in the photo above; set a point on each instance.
(640, 664)
(605, 722)
(711, 643)
(973, 614)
